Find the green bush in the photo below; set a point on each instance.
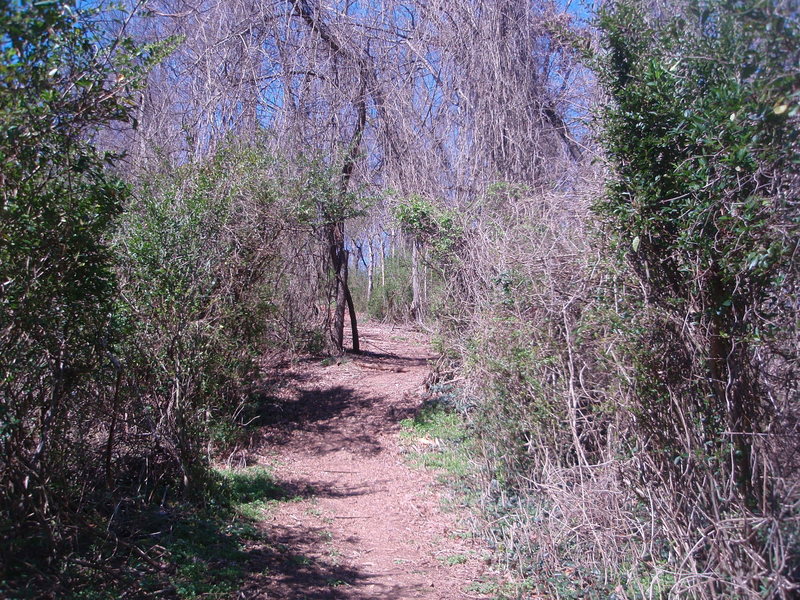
(392, 301)
(62, 77)
(197, 298)
(702, 133)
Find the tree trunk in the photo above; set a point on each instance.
(370, 270)
(340, 274)
(337, 249)
(416, 305)
(339, 263)
(352, 312)
(425, 279)
(383, 263)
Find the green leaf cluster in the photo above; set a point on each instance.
(702, 133)
(62, 78)
(430, 224)
(316, 191)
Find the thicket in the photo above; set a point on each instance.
(631, 354)
(702, 134)
(390, 299)
(210, 268)
(625, 342)
(60, 79)
(133, 316)
(215, 269)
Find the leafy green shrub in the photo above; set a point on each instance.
(194, 269)
(62, 77)
(431, 225)
(702, 132)
(391, 302)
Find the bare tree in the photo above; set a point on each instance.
(428, 97)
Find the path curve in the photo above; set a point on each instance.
(366, 524)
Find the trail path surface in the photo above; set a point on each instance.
(366, 524)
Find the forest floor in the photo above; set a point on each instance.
(363, 522)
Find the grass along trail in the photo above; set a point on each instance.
(364, 523)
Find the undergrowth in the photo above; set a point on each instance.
(439, 437)
(168, 551)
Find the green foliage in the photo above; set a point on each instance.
(251, 491)
(207, 548)
(133, 320)
(444, 434)
(180, 550)
(429, 224)
(703, 123)
(622, 410)
(207, 555)
(702, 133)
(435, 420)
(193, 276)
(316, 191)
(451, 560)
(61, 78)
(703, 136)
(391, 301)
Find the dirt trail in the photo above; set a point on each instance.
(366, 525)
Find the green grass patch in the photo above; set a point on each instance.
(434, 420)
(440, 440)
(503, 590)
(208, 555)
(252, 491)
(451, 560)
(207, 548)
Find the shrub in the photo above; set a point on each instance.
(207, 287)
(61, 78)
(702, 133)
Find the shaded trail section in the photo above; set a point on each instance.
(365, 524)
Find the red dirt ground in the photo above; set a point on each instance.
(366, 524)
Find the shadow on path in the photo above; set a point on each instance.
(327, 419)
(296, 576)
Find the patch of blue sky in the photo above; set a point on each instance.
(583, 11)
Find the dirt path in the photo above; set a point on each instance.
(365, 525)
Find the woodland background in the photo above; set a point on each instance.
(595, 213)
